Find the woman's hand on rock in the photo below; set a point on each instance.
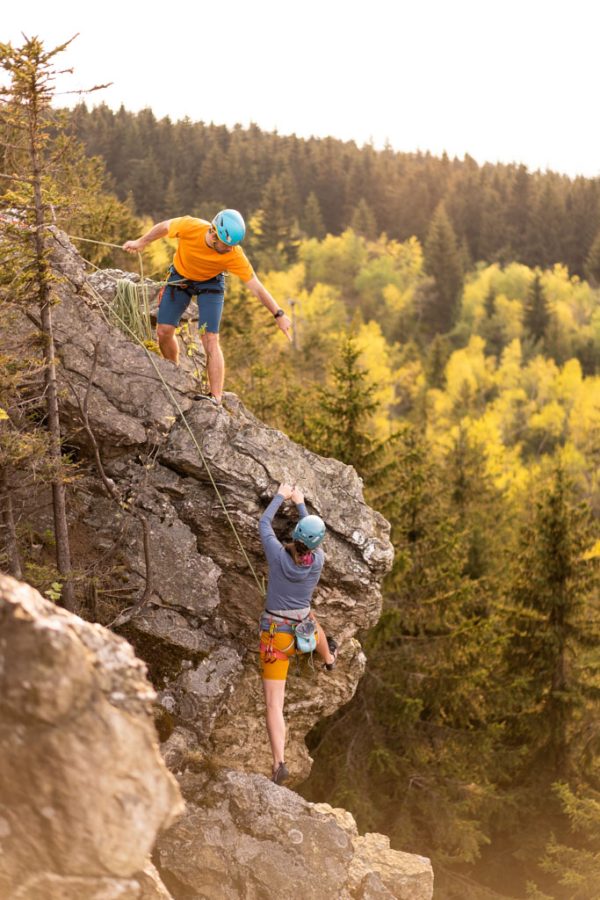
(285, 490)
(297, 496)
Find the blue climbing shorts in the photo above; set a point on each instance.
(176, 295)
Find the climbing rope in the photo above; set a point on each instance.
(168, 391)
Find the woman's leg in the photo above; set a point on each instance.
(274, 697)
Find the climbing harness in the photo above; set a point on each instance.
(303, 635)
(271, 653)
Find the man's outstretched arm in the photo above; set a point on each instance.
(160, 230)
(262, 294)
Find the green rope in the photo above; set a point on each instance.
(125, 327)
(126, 307)
(90, 241)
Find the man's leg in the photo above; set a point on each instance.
(215, 363)
(168, 343)
(210, 309)
(173, 303)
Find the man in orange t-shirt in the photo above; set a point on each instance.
(205, 251)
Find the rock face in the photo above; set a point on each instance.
(170, 453)
(83, 788)
(201, 477)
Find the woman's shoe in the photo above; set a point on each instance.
(333, 649)
(280, 774)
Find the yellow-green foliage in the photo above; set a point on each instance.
(518, 411)
(523, 404)
(375, 359)
(334, 260)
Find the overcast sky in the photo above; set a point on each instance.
(502, 81)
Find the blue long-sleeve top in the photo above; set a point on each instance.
(289, 586)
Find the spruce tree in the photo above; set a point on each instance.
(443, 262)
(551, 663)
(437, 358)
(490, 328)
(278, 240)
(341, 427)
(576, 864)
(478, 507)
(37, 156)
(592, 263)
(363, 220)
(312, 218)
(537, 309)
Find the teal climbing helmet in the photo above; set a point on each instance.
(310, 531)
(230, 226)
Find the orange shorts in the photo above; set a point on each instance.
(277, 669)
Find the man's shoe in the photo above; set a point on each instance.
(281, 774)
(211, 399)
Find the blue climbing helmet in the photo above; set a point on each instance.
(230, 226)
(310, 531)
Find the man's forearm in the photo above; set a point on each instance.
(160, 230)
(262, 294)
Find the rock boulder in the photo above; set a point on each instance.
(83, 788)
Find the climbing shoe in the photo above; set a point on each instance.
(208, 397)
(281, 774)
(333, 649)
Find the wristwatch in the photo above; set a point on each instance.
(278, 314)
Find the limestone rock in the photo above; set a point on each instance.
(377, 871)
(83, 789)
(242, 836)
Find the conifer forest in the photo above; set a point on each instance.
(446, 343)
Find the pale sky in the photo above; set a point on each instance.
(502, 81)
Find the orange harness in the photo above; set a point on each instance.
(271, 653)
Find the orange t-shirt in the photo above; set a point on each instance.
(196, 260)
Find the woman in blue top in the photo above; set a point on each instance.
(294, 572)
